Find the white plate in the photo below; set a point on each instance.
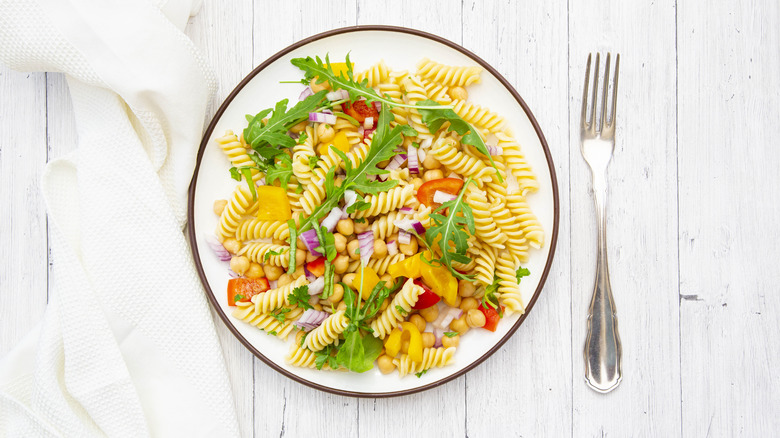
(401, 49)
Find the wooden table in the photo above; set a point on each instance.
(692, 218)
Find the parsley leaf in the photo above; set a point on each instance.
(451, 334)
(401, 310)
(300, 297)
(420, 374)
(451, 232)
(522, 272)
(313, 161)
(280, 314)
(272, 252)
(302, 137)
(272, 333)
(238, 297)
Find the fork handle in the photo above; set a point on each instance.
(603, 350)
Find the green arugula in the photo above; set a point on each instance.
(323, 71)
(522, 272)
(328, 248)
(272, 333)
(293, 245)
(302, 137)
(245, 172)
(300, 297)
(267, 138)
(281, 171)
(490, 298)
(451, 232)
(325, 356)
(434, 118)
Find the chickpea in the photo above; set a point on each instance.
(278, 242)
(458, 93)
(430, 313)
(310, 257)
(418, 321)
(300, 127)
(300, 257)
(299, 272)
(325, 132)
(352, 248)
(468, 303)
(410, 248)
(272, 272)
(284, 280)
(337, 295)
(341, 264)
(430, 162)
(239, 264)
(382, 164)
(255, 271)
(345, 227)
(385, 364)
(315, 87)
(448, 342)
(348, 279)
(431, 175)
(475, 318)
(219, 205)
(340, 242)
(387, 279)
(428, 339)
(317, 307)
(417, 183)
(466, 288)
(380, 249)
(459, 325)
(336, 278)
(361, 227)
(458, 299)
(231, 245)
(342, 306)
(301, 245)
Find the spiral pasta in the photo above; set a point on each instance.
(529, 224)
(238, 205)
(444, 150)
(384, 202)
(302, 154)
(377, 74)
(392, 316)
(449, 75)
(312, 197)
(432, 358)
(516, 243)
(515, 160)
(415, 92)
(481, 117)
(260, 229)
(485, 262)
(327, 333)
(301, 357)
(437, 92)
(236, 152)
(281, 329)
(273, 299)
(508, 289)
(270, 253)
(484, 225)
(380, 265)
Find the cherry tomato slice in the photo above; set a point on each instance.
(491, 317)
(448, 185)
(317, 266)
(359, 110)
(427, 298)
(245, 288)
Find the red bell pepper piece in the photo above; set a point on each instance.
(243, 289)
(426, 299)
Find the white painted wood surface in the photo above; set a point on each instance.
(692, 217)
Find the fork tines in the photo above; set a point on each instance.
(603, 124)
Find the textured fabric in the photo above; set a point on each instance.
(127, 346)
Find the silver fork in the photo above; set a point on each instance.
(602, 345)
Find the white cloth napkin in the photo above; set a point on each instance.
(127, 346)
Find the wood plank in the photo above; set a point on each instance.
(23, 242)
(529, 47)
(222, 31)
(641, 219)
(729, 108)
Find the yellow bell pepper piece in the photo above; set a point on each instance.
(441, 282)
(393, 343)
(365, 280)
(340, 142)
(274, 205)
(415, 352)
(408, 267)
(340, 67)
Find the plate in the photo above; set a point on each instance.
(400, 48)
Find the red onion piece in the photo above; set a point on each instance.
(309, 276)
(406, 210)
(273, 284)
(414, 163)
(305, 93)
(397, 161)
(392, 247)
(440, 197)
(404, 238)
(311, 241)
(439, 334)
(421, 154)
(311, 319)
(495, 150)
(378, 105)
(260, 182)
(410, 225)
(317, 286)
(350, 197)
(368, 132)
(366, 241)
(233, 273)
(332, 219)
(222, 254)
(368, 123)
(361, 130)
(334, 96)
(322, 117)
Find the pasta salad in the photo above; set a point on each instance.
(378, 219)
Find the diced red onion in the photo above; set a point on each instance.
(222, 254)
(367, 132)
(425, 144)
(392, 247)
(233, 274)
(311, 319)
(440, 320)
(366, 241)
(273, 284)
(397, 161)
(317, 286)
(311, 241)
(378, 105)
(332, 219)
(260, 182)
(327, 111)
(410, 225)
(368, 123)
(322, 117)
(414, 163)
(404, 238)
(309, 275)
(440, 197)
(439, 334)
(455, 312)
(334, 96)
(361, 130)
(305, 93)
(495, 150)
(350, 197)
(421, 154)
(406, 210)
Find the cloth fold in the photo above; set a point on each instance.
(127, 346)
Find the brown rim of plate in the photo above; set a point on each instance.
(205, 141)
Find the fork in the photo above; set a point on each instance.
(603, 351)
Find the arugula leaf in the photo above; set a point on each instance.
(359, 204)
(272, 333)
(360, 220)
(281, 171)
(274, 133)
(451, 232)
(490, 298)
(323, 71)
(293, 245)
(349, 118)
(328, 248)
(302, 137)
(324, 356)
(522, 272)
(434, 118)
(300, 297)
